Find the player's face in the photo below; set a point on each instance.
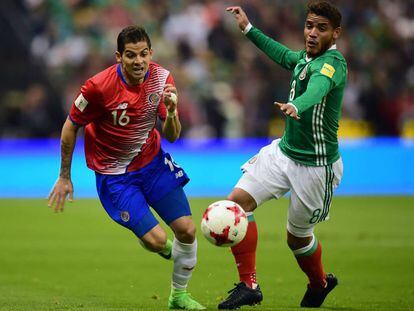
(135, 61)
(319, 34)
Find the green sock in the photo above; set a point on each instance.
(167, 249)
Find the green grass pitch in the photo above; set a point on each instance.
(81, 260)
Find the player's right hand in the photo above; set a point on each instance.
(239, 15)
(60, 191)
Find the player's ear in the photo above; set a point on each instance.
(337, 33)
(151, 52)
(118, 57)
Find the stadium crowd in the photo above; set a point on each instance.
(226, 88)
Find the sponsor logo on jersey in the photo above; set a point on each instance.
(124, 216)
(122, 106)
(302, 75)
(81, 102)
(179, 174)
(154, 98)
(327, 70)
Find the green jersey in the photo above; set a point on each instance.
(317, 89)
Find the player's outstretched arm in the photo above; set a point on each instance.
(63, 187)
(240, 16)
(172, 126)
(273, 49)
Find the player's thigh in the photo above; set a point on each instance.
(249, 193)
(125, 203)
(245, 199)
(173, 206)
(264, 177)
(163, 182)
(311, 196)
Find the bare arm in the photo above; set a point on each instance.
(63, 186)
(172, 127)
(241, 17)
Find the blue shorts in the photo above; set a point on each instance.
(127, 197)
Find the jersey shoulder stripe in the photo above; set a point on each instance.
(159, 72)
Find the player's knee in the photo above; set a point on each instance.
(242, 198)
(186, 234)
(292, 244)
(295, 242)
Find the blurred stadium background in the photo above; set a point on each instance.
(226, 86)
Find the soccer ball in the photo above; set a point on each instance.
(224, 223)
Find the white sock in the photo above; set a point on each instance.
(185, 259)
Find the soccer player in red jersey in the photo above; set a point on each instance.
(119, 108)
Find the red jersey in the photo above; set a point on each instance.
(120, 134)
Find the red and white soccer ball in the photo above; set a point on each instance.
(224, 223)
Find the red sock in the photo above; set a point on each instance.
(245, 255)
(311, 264)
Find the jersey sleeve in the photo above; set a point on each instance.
(86, 107)
(326, 74)
(162, 109)
(274, 50)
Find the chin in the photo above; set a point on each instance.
(313, 53)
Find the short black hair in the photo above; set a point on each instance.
(327, 10)
(132, 34)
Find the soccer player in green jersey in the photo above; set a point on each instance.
(305, 161)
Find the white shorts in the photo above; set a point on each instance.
(270, 174)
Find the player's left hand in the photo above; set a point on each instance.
(169, 99)
(288, 110)
(240, 16)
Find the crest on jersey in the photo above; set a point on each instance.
(154, 98)
(302, 75)
(252, 160)
(124, 216)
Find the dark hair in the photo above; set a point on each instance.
(132, 34)
(325, 9)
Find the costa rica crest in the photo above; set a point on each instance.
(154, 98)
(125, 216)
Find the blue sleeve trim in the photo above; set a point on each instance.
(74, 123)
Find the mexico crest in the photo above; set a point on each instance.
(302, 75)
